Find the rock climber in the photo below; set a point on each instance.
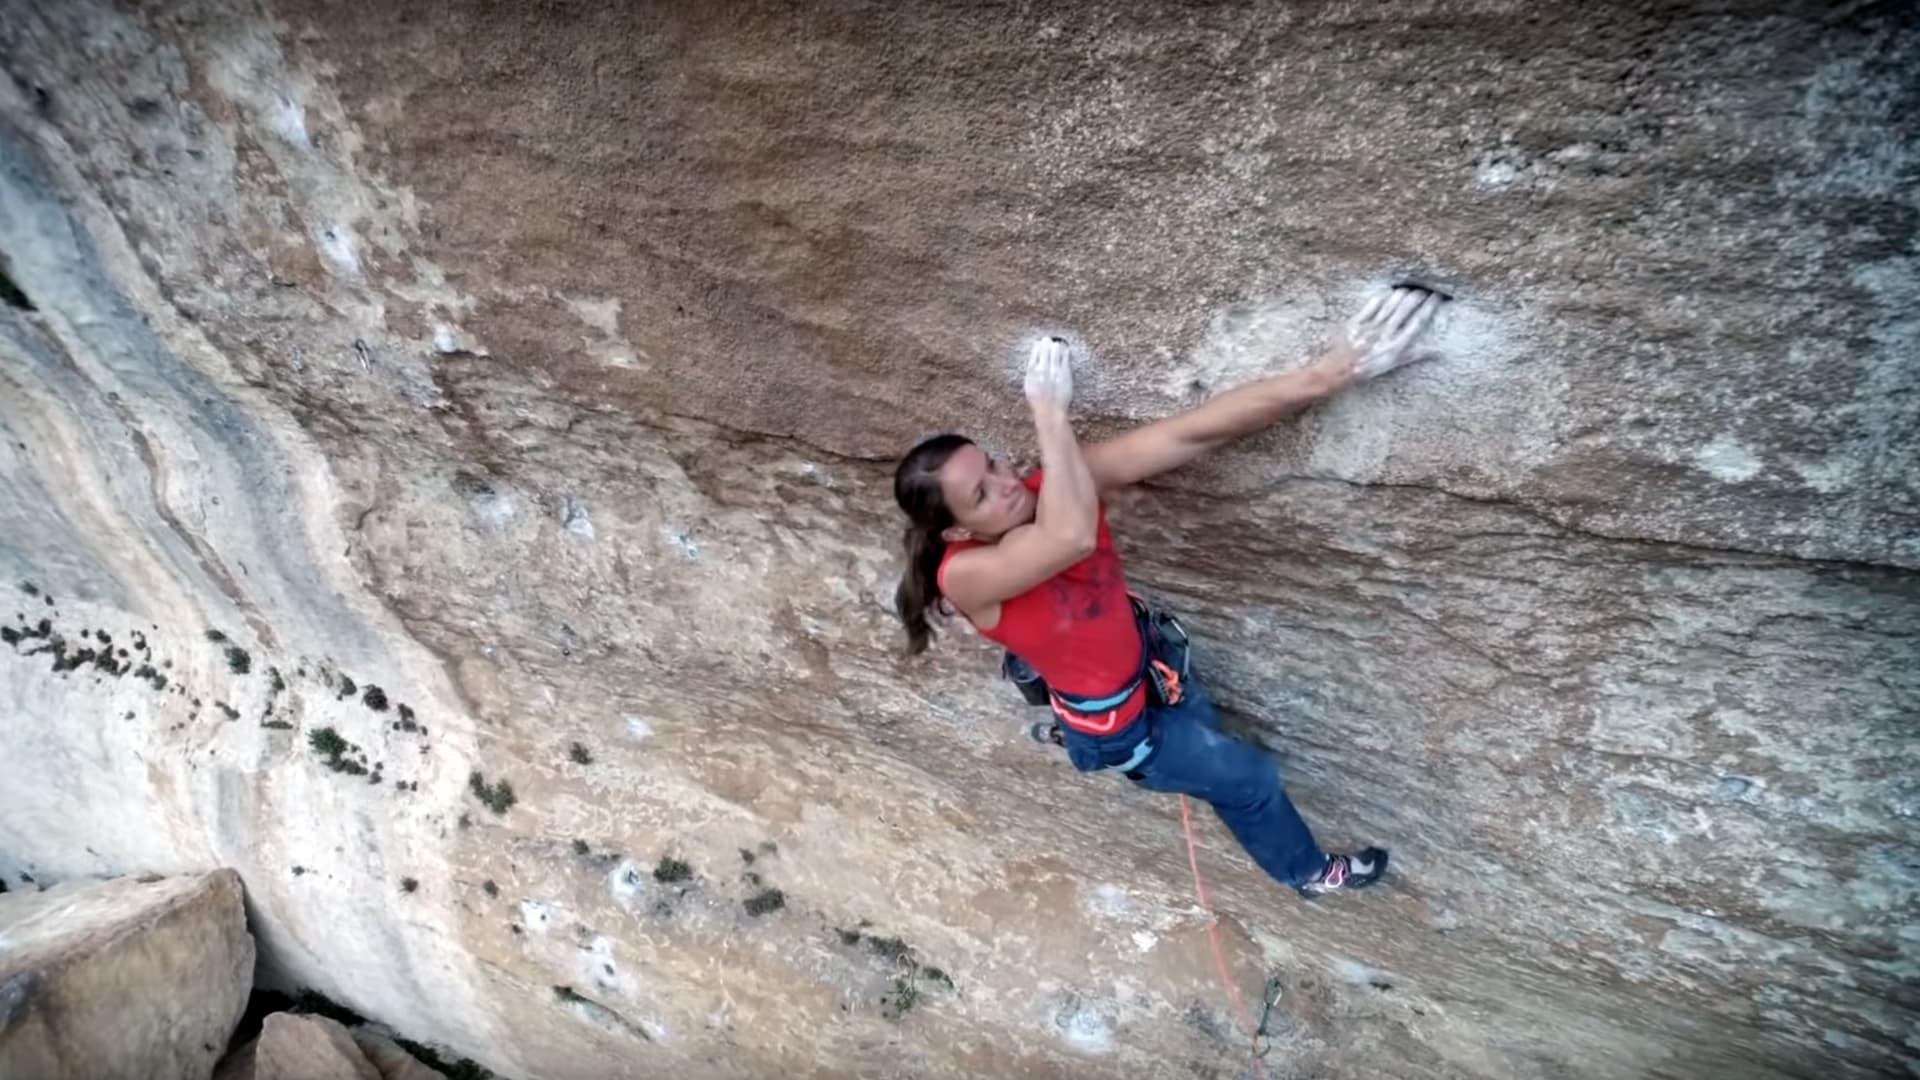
(1030, 564)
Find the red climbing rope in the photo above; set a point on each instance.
(1213, 938)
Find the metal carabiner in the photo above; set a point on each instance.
(1262, 1041)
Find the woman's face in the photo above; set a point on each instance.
(985, 496)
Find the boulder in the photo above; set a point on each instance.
(391, 1058)
(300, 1046)
(134, 977)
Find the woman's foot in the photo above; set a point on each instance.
(1343, 872)
(1044, 732)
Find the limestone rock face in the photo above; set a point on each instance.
(124, 978)
(444, 463)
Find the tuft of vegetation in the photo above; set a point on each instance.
(746, 856)
(766, 901)
(279, 684)
(347, 688)
(313, 1001)
(490, 888)
(216, 637)
(405, 723)
(408, 884)
(375, 698)
(671, 870)
(238, 661)
(497, 797)
(580, 754)
(906, 994)
(30, 588)
(891, 948)
(277, 725)
(466, 820)
(580, 847)
(231, 712)
(334, 751)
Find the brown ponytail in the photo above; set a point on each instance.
(916, 487)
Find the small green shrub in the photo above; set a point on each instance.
(497, 797)
(762, 903)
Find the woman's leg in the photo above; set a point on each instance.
(1241, 783)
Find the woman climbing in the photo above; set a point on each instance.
(1032, 566)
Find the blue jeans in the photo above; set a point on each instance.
(1190, 756)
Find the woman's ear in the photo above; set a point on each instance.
(954, 534)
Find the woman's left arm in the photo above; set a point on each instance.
(1377, 341)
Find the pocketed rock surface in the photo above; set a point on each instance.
(444, 476)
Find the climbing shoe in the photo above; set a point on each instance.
(1046, 732)
(1343, 872)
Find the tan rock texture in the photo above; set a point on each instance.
(496, 378)
(297, 1047)
(391, 1058)
(125, 978)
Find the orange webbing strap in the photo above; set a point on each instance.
(1213, 938)
(1170, 680)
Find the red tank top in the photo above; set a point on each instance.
(1076, 628)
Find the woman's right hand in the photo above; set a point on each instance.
(1050, 374)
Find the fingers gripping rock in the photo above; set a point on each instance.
(1050, 373)
(1385, 330)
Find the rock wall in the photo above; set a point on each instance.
(509, 392)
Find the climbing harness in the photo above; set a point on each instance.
(1163, 666)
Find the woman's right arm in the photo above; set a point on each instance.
(1069, 505)
(1067, 514)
